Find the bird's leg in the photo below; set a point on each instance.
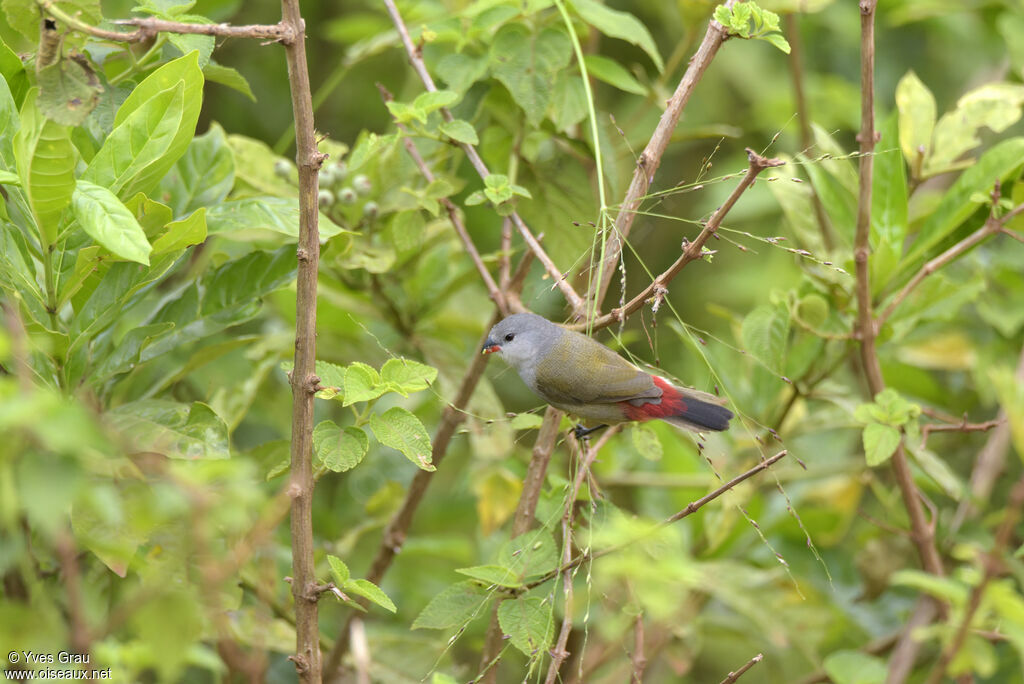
(580, 432)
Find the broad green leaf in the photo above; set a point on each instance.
(68, 91)
(371, 591)
(530, 554)
(854, 667)
(460, 131)
(123, 356)
(529, 624)
(995, 106)
(339, 449)
(460, 70)
(765, 332)
(235, 218)
(401, 430)
(107, 221)
(405, 376)
(229, 77)
(839, 202)
(339, 570)
(12, 72)
(254, 169)
(432, 100)
(998, 163)
(527, 63)
(46, 165)
(945, 588)
(152, 129)
(616, 24)
(24, 15)
(181, 234)
(880, 442)
(526, 421)
(172, 429)
(332, 378)
(778, 40)
(10, 123)
(188, 42)
(453, 607)
(889, 186)
(614, 74)
(491, 575)
(203, 176)
(362, 383)
(916, 106)
(646, 442)
(568, 104)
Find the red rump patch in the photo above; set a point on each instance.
(672, 404)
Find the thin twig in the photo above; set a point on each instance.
(68, 557)
(991, 562)
(638, 660)
(303, 379)
(733, 676)
(416, 60)
(453, 214)
(148, 28)
(691, 250)
(650, 159)
(921, 531)
(960, 427)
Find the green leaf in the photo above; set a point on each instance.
(622, 25)
(203, 176)
(945, 588)
(938, 470)
(371, 591)
(530, 554)
(460, 131)
(229, 77)
(237, 218)
(46, 163)
(645, 440)
(880, 442)
(405, 376)
(492, 575)
(172, 429)
(995, 106)
(16, 80)
(778, 40)
(362, 383)
(526, 421)
(24, 15)
(181, 234)
(401, 430)
(460, 70)
(338, 570)
(765, 332)
(107, 221)
(613, 73)
(527, 63)
(998, 163)
(453, 607)
(339, 449)
(68, 91)
(431, 101)
(568, 104)
(854, 667)
(528, 622)
(916, 106)
(152, 129)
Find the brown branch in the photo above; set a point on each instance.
(67, 554)
(395, 532)
(650, 159)
(453, 214)
(960, 427)
(415, 56)
(733, 676)
(638, 661)
(991, 227)
(148, 28)
(691, 250)
(991, 561)
(921, 531)
(505, 258)
(803, 115)
(304, 380)
(690, 509)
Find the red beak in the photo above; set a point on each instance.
(491, 349)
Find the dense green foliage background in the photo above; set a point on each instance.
(148, 264)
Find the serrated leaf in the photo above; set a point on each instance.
(339, 449)
(460, 131)
(880, 442)
(107, 221)
(491, 575)
(401, 430)
(621, 25)
(371, 591)
(339, 570)
(765, 332)
(778, 40)
(527, 64)
(228, 77)
(405, 376)
(362, 383)
(189, 431)
(530, 554)
(431, 101)
(453, 607)
(528, 622)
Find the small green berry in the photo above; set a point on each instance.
(347, 196)
(370, 210)
(282, 168)
(362, 184)
(325, 198)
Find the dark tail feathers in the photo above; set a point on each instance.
(701, 412)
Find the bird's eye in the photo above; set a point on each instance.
(509, 337)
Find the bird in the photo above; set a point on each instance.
(582, 377)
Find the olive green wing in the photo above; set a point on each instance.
(578, 370)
